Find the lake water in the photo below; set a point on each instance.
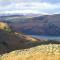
(47, 37)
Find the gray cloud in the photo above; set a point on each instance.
(23, 6)
(51, 1)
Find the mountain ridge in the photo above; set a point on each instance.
(44, 25)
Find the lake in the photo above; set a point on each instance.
(47, 37)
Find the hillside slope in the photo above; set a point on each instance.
(45, 24)
(41, 52)
(15, 46)
(10, 40)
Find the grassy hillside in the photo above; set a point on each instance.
(10, 40)
(17, 46)
(41, 52)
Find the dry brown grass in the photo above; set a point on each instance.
(3, 25)
(42, 52)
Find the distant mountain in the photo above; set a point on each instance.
(36, 25)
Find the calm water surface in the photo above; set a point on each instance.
(47, 37)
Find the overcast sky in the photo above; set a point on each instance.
(30, 6)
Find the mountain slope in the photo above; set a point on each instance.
(10, 40)
(15, 46)
(45, 25)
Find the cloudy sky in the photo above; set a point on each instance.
(30, 6)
